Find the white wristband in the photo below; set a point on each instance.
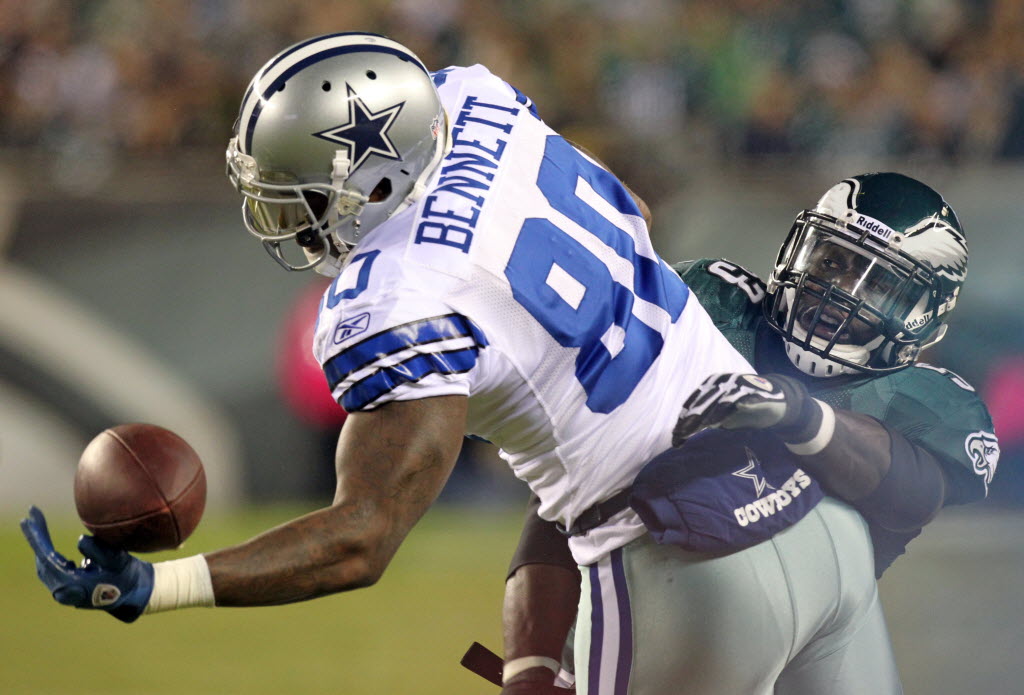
(822, 437)
(180, 583)
(516, 666)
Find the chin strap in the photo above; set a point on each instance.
(816, 365)
(420, 186)
(352, 204)
(349, 203)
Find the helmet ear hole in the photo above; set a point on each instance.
(382, 191)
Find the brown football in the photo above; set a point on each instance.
(140, 487)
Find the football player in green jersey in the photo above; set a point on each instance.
(863, 283)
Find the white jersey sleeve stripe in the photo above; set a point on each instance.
(403, 337)
(439, 330)
(397, 358)
(363, 393)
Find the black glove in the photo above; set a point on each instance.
(748, 401)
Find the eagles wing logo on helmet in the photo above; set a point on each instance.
(940, 245)
(366, 131)
(918, 243)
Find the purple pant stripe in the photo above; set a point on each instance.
(625, 660)
(596, 631)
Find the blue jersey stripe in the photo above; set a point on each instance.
(409, 372)
(399, 338)
(525, 101)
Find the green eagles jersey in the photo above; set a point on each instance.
(932, 407)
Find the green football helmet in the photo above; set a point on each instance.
(866, 279)
(335, 136)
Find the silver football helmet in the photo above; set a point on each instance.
(866, 279)
(335, 135)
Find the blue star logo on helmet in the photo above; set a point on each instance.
(366, 132)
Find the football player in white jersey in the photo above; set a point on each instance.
(493, 280)
(864, 282)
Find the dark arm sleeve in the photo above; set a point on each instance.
(540, 542)
(911, 492)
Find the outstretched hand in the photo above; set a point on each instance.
(109, 578)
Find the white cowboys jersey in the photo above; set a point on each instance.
(524, 278)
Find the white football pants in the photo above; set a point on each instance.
(796, 615)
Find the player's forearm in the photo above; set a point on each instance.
(391, 464)
(893, 483)
(856, 458)
(331, 550)
(539, 608)
(541, 594)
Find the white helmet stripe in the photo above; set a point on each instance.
(851, 197)
(277, 72)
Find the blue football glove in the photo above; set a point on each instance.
(108, 579)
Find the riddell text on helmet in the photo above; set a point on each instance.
(878, 229)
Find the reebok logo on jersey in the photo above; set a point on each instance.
(348, 328)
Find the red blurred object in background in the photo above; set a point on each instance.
(1004, 395)
(300, 378)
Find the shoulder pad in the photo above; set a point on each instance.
(948, 374)
(943, 413)
(731, 294)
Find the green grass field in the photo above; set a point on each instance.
(953, 607)
(404, 635)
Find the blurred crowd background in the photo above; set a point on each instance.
(727, 116)
(653, 82)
